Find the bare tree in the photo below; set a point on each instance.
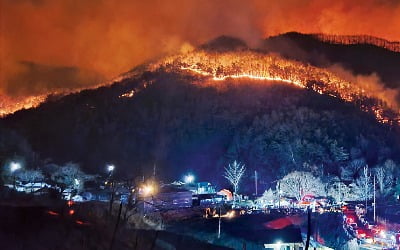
(351, 171)
(234, 173)
(390, 165)
(300, 183)
(384, 179)
(70, 176)
(361, 189)
(268, 197)
(339, 191)
(380, 177)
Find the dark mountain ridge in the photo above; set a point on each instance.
(359, 58)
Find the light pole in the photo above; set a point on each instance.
(366, 186)
(219, 222)
(279, 194)
(255, 179)
(14, 166)
(374, 201)
(110, 169)
(189, 178)
(147, 191)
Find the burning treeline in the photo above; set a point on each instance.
(269, 67)
(9, 105)
(360, 39)
(217, 66)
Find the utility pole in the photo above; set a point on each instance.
(279, 195)
(255, 177)
(374, 201)
(366, 187)
(219, 223)
(308, 228)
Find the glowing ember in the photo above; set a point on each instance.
(128, 94)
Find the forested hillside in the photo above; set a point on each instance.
(178, 126)
(223, 102)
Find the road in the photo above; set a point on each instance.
(370, 246)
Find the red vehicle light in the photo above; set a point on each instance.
(52, 213)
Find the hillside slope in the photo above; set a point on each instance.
(181, 127)
(199, 111)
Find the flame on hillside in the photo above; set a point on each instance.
(217, 66)
(258, 66)
(9, 105)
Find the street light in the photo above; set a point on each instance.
(148, 190)
(110, 168)
(189, 178)
(278, 244)
(14, 166)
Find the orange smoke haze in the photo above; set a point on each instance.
(48, 45)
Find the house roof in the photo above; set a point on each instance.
(172, 189)
(271, 236)
(253, 228)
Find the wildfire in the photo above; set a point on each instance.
(128, 94)
(221, 66)
(9, 105)
(270, 67)
(359, 39)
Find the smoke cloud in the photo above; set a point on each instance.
(371, 84)
(83, 42)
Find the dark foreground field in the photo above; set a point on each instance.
(43, 228)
